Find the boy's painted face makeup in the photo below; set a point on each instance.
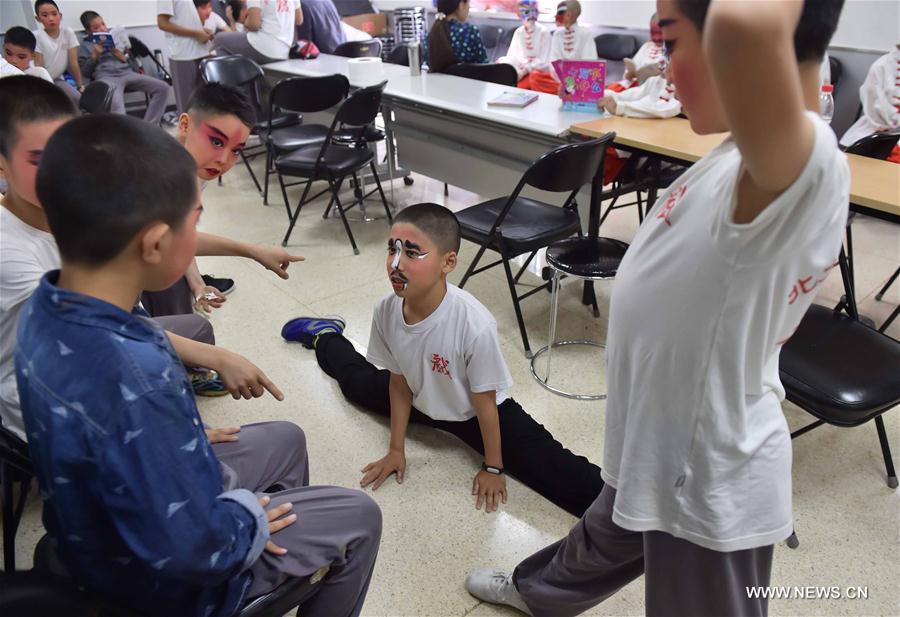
(688, 70)
(413, 261)
(215, 143)
(18, 56)
(49, 16)
(20, 169)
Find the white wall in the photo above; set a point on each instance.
(115, 12)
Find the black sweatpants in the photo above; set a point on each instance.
(530, 453)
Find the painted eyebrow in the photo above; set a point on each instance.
(411, 245)
(215, 130)
(666, 22)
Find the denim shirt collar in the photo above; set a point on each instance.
(79, 308)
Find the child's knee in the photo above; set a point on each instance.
(289, 434)
(367, 512)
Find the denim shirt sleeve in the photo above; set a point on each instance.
(162, 490)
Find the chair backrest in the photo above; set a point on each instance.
(503, 74)
(138, 48)
(490, 35)
(96, 98)
(568, 167)
(235, 71)
(837, 69)
(361, 106)
(308, 94)
(359, 49)
(399, 55)
(616, 46)
(876, 145)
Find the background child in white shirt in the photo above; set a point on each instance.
(444, 369)
(270, 30)
(529, 51)
(697, 452)
(57, 49)
(18, 48)
(880, 98)
(189, 43)
(571, 41)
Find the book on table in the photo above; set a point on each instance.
(583, 83)
(522, 98)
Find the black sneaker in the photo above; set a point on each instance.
(225, 286)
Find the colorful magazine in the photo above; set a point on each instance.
(583, 82)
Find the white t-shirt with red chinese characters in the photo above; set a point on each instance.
(277, 32)
(445, 357)
(696, 442)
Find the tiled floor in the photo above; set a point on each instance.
(846, 516)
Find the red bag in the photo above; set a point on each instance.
(304, 50)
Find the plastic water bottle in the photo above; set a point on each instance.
(414, 54)
(826, 103)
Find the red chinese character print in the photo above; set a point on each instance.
(440, 365)
(808, 284)
(283, 6)
(670, 204)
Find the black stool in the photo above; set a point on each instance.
(592, 259)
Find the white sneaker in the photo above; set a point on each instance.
(496, 587)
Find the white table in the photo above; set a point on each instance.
(444, 128)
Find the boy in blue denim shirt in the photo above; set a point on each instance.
(143, 509)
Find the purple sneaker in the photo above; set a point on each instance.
(304, 330)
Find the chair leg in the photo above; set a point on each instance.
(446, 190)
(384, 200)
(524, 266)
(471, 267)
(250, 169)
(793, 541)
(554, 308)
(335, 189)
(890, 319)
(887, 285)
(296, 214)
(515, 299)
(268, 173)
(886, 452)
(328, 208)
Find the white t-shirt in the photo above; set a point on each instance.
(276, 34)
(880, 98)
(8, 70)
(39, 71)
(26, 254)
(655, 98)
(451, 353)
(183, 13)
(575, 43)
(215, 23)
(696, 441)
(55, 51)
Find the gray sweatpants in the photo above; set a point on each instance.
(176, 300)
(192, 327)
(236, 44)
(185, 79)
(73, 94)
(156, 89)
(598, 558)
(335, 527)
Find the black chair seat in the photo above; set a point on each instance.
(296, 137)
(349, 136)
(528, 225)
(279, 121)
(31, 593)
(594, 258)
(840, 370)
(339, 161)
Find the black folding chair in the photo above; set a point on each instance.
(503, 74)
(616, 46)
(516, 225)
(876, 145)
(399, 55)
(48, 590)
(334, 163)
(359, 49)
(96, 98)
(836, 67)
(841, 371)
(490, 36)
(140, 51)
(242, 72)
(16, 470)
(299, 95)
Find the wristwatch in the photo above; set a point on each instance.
(497, 471)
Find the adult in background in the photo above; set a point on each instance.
(452, 40)
(269, 31)
(321, 25)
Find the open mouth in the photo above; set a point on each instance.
(398, 282)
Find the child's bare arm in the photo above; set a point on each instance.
(74, 67)
(395, 460)
(749, 45)
(490, 488)
(38, 59)
(272, 258)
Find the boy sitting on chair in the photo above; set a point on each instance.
(529, 51)
(444, 369)
(144, 511)
(880, 98)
